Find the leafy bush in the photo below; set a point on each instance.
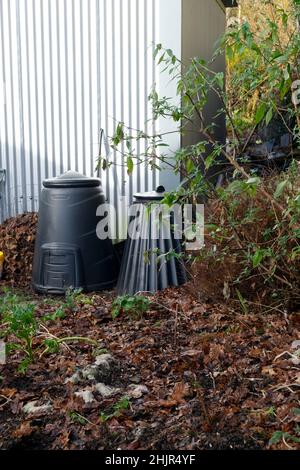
(262, 49)
(251, 246)
(286, 437)
(253, 227)
(23, 330)
(21, 323)
(118, 408)
(133, 306)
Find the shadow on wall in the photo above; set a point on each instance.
(20, 185)
(21, 188)
(21, 182)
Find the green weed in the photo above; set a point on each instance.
(132, 306)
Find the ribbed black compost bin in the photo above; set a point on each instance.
(68, 253)
(144, 268)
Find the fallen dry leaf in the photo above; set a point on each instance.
(180, 391)
(268, 371)
(24, 430)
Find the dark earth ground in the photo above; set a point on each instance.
(196, 376)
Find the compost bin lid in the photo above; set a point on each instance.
(72, 179)
(156, 195)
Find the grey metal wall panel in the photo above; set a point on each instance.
(67, 69)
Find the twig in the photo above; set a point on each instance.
(213, 380)
(287, 386)
(7, 400)
(52, 336)
(249, 138)
(232, 160)
(286, 444)
(282, 354)
(204, 408)
(175, 326)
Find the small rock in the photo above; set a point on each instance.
(296, 344)
(75, 378)
(106, 391)
(137, 391)
(34, 408)
(295, 360)
(104, 364)
(135, 379)
(90, 372)
(100, 371)
(104, 360)
(86, 395)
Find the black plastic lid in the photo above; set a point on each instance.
(72, 179)
(156, 195)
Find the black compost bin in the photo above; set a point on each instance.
(145, 266)
(68, 253)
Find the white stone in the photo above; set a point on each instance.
(137, 391)
(74, 379)
(295, 360)
(106, 391)
(33, 407)
(90, 372)
(86, 395)
(104, 360)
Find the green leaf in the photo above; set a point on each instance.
(190, 166)
(280, 188)
(209, 161)
(286, 74)
(161, 59)
(257, 258)
(279, 435)
(169, 199)
(220, 80)
(260, 113)
(254, 180)
(157, 49)
(104, 164)
(119, 134)
(176, 115)
(146, 257)
(242, 302)
(269, 116)
(130, 165)
(276, 54)
(276, 437)
(229, 52)
(52, 345)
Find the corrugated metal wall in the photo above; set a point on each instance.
(67, 69)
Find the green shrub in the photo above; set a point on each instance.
(133, 306)
(20, 323)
